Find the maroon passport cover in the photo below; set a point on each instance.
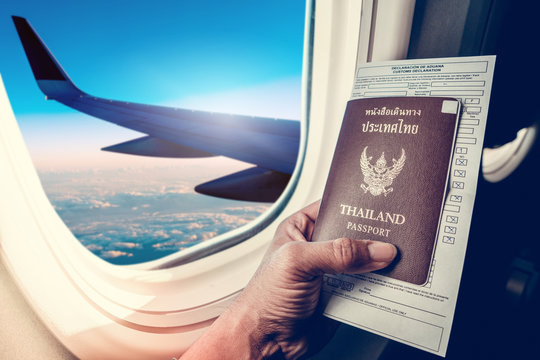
(388, 178)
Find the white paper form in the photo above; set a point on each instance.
(422, 316)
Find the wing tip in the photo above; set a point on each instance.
(41, 60)
(49, 75)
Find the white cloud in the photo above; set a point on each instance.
(136, 193)
(209, 235)
(111, 254)
(161, 234)
(162, 245)
(127, 245)
(194, 225)
(153, 220)
(98, 204)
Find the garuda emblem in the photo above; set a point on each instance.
(379, 176)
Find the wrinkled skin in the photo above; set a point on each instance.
(277, 315)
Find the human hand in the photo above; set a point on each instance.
(276, 314)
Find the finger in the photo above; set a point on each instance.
(342, 256)
(312, 210)
(300, 225)
(297, 227)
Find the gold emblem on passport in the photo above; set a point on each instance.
(379, 176)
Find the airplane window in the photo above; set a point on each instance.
(214, 147)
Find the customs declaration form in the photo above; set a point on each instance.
(421, 315)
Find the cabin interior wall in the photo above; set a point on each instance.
(437, 29)
(22, 334)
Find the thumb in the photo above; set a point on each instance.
(344, 256)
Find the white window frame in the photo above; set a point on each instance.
(157, 309)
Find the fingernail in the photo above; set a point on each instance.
(380, 251)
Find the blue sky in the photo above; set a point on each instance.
(231, 56)
(154, 51)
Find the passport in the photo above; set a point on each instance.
(389, 176)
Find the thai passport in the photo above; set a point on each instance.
(388, 179)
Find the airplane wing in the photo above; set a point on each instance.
(269, 144)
